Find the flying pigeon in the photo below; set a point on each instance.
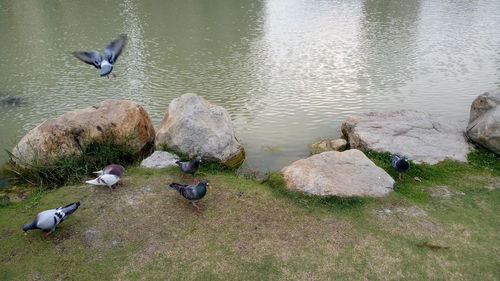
(49, 219)
(113, 169)
(190, 167)
(400, 164)
(111, 53)
(105, 179)
(192, 192)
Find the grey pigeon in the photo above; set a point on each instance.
(49, 219)
(400, 164)
(104, 62)
(193, 192)
(113, 169)
(190, 167)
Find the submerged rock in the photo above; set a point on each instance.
(346, 174)
(194, 126)
(484, 121)
(160, 159)
(423, 137)
(120, 121)
(12, 101)
(323, 145)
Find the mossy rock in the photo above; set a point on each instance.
(236, 161)
(322, 145)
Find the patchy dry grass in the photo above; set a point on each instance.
(254, 231)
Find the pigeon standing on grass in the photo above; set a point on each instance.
(400, 164)
(109, 176)
(104, 62)
(107, 179)
(113, 169)
(190, 167)
(193, 192)
(49, 219)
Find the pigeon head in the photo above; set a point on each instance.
(106, 69)
(206, 184)
(28, 226)
(405, 157)
(197, 159)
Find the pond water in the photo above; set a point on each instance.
(288, 71)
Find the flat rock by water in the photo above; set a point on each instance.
(194, 126)
(425, 138)
(346, 174)
(484, 121)
(160, 159)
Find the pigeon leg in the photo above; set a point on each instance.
(114, 75)
(49, 233)
(195, 204)
(195, 180)
(119, 183)
(400, 176)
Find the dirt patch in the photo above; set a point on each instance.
(493, 183)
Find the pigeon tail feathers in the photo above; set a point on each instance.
(177, 186)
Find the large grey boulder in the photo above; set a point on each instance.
(194, 126)
(425, 138)
(484, 121)
(346, 174)
(120, 121)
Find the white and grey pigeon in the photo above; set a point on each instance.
(190, 167)
(109, 176)
(107, 179)
(104, 62)
(49, 219)
(113, 169)
(400, 164)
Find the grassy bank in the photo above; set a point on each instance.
(261, 231)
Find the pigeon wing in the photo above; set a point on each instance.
(46, 219)
(114, 49)
(189, 192)
(90, 57)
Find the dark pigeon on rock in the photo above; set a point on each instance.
(49, 219)
(190, 167)
(104, 62)
(400, 164)
(193, 192)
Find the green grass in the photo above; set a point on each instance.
(446, 172)
(262, 231)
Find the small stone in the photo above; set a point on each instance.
(91, 235)
(417, 179)
(160, 159)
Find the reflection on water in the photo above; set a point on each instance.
(288, 71)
